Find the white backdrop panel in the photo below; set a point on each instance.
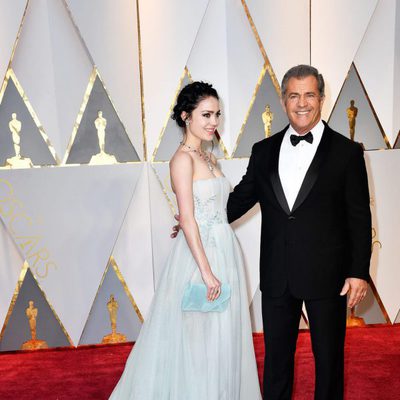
(377, 72)
(162, 220)
(209, 51)
(168, 30)
(255, 312)
(337, 28)
(245, 63)
(383, 167)
(66, 221)
(162, 171)
(232, 64)
(132, 251)
(11, 262)
(396, 81)
(53, 68)
(11, 12)
(247, 228)
(284, 30)
(112, 41)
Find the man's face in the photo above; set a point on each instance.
(303, 103)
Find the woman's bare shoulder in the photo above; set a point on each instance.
(181, 158)
(180, 168)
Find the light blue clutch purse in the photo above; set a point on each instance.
(195, 298)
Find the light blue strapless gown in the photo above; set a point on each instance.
(193, 355)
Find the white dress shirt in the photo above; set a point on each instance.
(294, 161)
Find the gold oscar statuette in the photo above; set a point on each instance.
(33, 344)
(114, 336)
(17, 161)
(102, 157)
(267, 117)
(351, 116)
(353, 320)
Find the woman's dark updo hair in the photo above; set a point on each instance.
(189, 98)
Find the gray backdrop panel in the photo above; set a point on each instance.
(48, 328)
(86, 143)
(98, 324)
(32, 143)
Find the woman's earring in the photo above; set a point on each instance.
(187, 122)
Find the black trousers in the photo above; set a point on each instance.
(327, 320)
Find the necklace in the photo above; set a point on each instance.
(201, 154)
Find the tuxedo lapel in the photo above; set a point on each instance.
(313, 170)
(274, 174)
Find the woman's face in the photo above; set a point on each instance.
(204, 119)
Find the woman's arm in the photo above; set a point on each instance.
(181, 169)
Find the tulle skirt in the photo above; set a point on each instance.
(193, 355)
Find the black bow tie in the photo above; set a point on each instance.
(295, 139)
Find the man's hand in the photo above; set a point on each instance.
(175, 228)
(357, 289)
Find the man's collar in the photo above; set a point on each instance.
(316, 131)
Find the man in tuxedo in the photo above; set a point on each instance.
(311, 184)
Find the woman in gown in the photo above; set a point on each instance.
(194, 355)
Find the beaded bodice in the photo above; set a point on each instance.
(210, 197)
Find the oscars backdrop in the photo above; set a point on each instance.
(87, 90)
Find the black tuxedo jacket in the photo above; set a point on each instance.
(326, 237)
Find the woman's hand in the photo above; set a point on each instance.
(175, 228)
(213, 286)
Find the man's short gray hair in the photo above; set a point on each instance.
(303, 71)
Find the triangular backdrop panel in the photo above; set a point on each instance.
(52, 65)
(303, 324)
(162, 172)
(238, 58)
(86, 141)
(164, 56)
(397, 320)
(367, 128)
(337, 28)
(72, 219)
(247, 228)
(384, 190)
(133, 247)
(370, 310)
(254, 128)
(48, 327)
(255, 312)
(377, 60)
(243, 65)
(12, 17)
(162, 221)
(98, 324)
(11, 262)
(397, 142)
(32, 143)
(172, 134)
(293, 16)
(116, 55)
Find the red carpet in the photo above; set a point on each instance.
(372, 369)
